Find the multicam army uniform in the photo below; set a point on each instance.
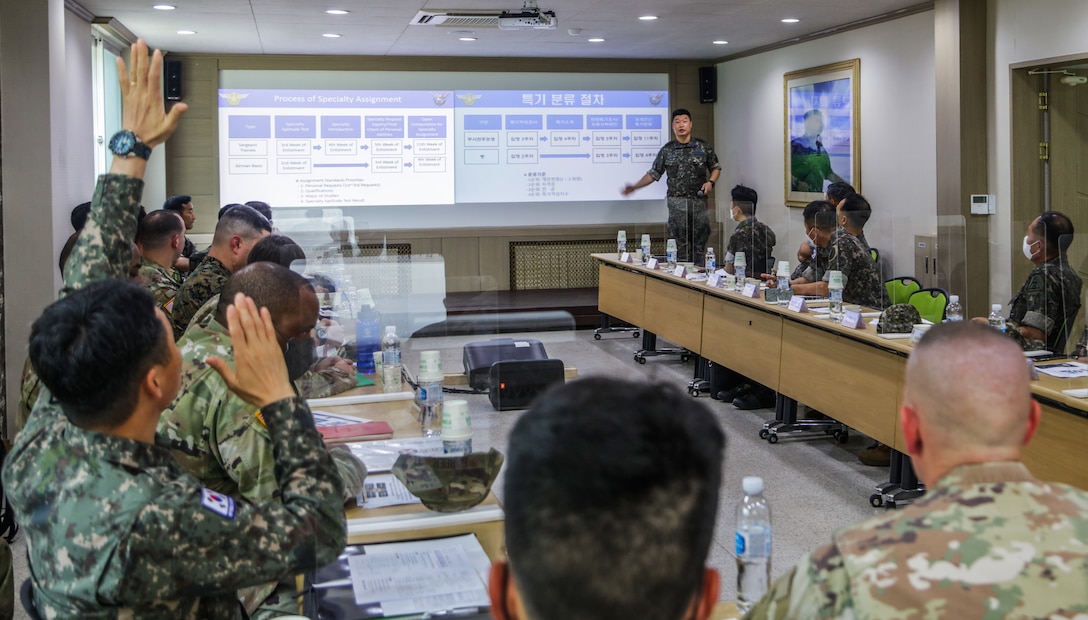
(756, 240)
(115, 528)
(861, 284)
(987, 541)
(221, 439)
(688, 166)
(312, 384)
(1050, 295)
(204, 282)
(162, 282)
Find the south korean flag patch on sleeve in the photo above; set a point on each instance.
(219, 503)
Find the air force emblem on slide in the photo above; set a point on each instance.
(219, 503)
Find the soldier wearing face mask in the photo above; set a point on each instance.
(221, 439)
(751, 236)
(1042, 312)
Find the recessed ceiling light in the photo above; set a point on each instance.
(331, 35)
(790, 20)
(648, 18)
(466, 38)
(596, 40)
(164, 7)
(337, 12)
(720, 42)
(186, 31)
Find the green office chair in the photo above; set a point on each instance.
(900, 289)
(875, 253)
(930, 303)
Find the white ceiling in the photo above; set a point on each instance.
(685, 28)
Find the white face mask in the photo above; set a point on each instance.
(733, 213)
(1028, 254)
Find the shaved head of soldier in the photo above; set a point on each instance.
(967, 400)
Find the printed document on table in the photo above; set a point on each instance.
(384, 490)
(1065, 370)
(421, 576)
(324, 418)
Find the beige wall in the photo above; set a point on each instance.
(898, 140)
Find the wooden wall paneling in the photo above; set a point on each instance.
(962, 150)
(495, 261)
(462, 257)
(1027, 178)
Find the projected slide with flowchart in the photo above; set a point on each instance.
(297, 148)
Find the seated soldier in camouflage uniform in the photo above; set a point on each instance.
(114, 527)
(987, 539)
(1041, 315)
(843, 253)
(160, 236)
(611, 495)
(235, 234)
(222, 439)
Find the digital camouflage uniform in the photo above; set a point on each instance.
(1050, 295)
(31, 387)
(116, 529)
(203, 283)
(312, 384)
(162, 282)
(220, 439)
(189, 247)
(688, 167)
(861, 284)
(756, 240)
(987, 541)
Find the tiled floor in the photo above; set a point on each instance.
(814, 487)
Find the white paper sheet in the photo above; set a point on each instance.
(421, 576)
(384, 490)
(379, 456)
(1064, 370)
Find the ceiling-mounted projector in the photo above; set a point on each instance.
(528, 19)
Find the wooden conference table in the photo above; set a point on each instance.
(853, 376)
(415, 521)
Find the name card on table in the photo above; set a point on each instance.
(751, 290)
(625, 257)
(679, 271)
(714, 280)
(853, 320)
(651, 264)
(797, 304)
(721, 272)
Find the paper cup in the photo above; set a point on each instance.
(456, 422)
(378, 363)
(430, 366)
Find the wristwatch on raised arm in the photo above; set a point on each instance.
(125, 144)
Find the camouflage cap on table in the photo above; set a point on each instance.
(449, 483)
(898, 319)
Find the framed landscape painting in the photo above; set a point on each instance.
(822, 138)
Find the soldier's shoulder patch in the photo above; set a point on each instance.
(219, 503)
(1035, 282)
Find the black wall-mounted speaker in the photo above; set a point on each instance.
(172, 80)
(708, 84)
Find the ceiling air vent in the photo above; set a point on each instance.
(455, 18)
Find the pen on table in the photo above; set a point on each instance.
(456, 612)
(337, 583)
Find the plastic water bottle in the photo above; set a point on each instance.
(646, 249)
(784, 293)
(367, 338)
(954, 312)
(430, 393)
(834, 294)
(621, 243)
(391, 360)
(997, 320)
(670, 253)
(739, 267)
(753, 544)
(711, 261)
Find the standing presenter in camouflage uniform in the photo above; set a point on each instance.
(988, 539)
(115, 528)
(692, 168)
